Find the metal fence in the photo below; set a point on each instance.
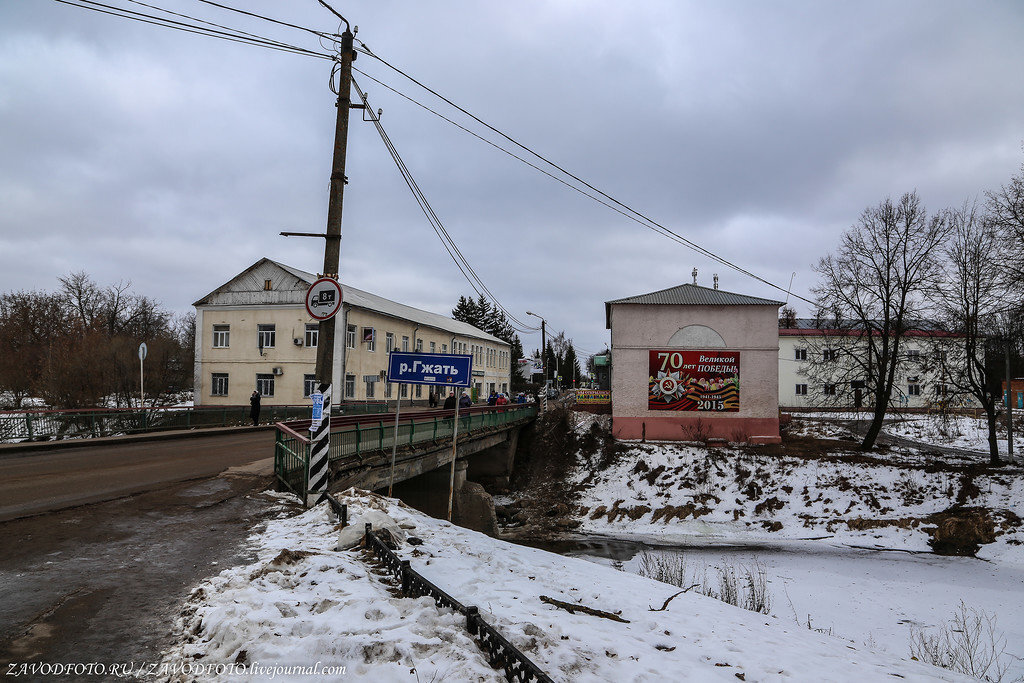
(291, 450)
(500, 652)
(43, 425)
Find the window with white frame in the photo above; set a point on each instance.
(308, 385)
(370, 337)
(419, 391)
(403, 391)
(405, 343)
(350, 336)
(941, 389)
(219, 384)
(829, 355)
(913, 390)
(433, 347)
(914, 355)
(801, 389)
(389, 342)
(830, 389)
(265, 384)
(369, 389)
(800, 354)
(419, 346)
(221, 336)
(350, 386)
(266, 336)
(387, 389)
(444, 348)
(312, 334)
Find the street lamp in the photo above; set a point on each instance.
(543, 364)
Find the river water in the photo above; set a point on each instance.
(869, 597)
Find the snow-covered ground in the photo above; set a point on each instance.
(957, 431)
(327, 606)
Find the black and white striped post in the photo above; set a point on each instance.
(316, 487)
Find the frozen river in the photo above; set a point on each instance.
(866, 596)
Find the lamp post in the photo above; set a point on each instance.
(543, 363)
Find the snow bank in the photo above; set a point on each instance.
(313, 604)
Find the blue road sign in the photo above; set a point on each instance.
(442, 369)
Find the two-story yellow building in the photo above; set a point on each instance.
(253, 332)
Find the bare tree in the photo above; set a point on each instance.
(876, 287)
(1006, 211)
(970, 303)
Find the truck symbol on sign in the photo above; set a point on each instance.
(324, 297)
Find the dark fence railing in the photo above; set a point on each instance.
(500, 652)
(352, 440)
(47, 425)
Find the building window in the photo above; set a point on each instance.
(350, 386)
(828, 355)
(312, 334)
(350, 337)
(941, 390)
(914, 355)
(265, 385)
(419, 346)
(389, 342)
(913, 390)
(219, 384)
(433, 347)
(801, 354)
(419, 391)
(830, 389)
(444, 348)
(266, 336)
(221, 336)
(370, 339)
(267, 285)
(405, 343)
(403, 391)
(801, 389)
(308, 385)
(387, 390)
(369, 389)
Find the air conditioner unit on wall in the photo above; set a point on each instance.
(298, 342)
(278, 371)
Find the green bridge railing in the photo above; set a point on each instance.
(46, 425)
(291, 449)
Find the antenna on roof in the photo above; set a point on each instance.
(716, 280)
(790, 285)
(694, 273)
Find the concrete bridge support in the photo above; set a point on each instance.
(472, 506)
(493, 466)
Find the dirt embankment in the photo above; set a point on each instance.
(755, 485)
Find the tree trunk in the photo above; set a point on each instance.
(875, 427)
(993, 445)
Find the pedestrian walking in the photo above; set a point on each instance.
(465, 401)
(254, 410)
(449, 402)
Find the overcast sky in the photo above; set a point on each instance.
(759, 130)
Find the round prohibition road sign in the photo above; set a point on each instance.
(323, 299)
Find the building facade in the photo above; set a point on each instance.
(820, 367)
(253, 333)
(693, 362)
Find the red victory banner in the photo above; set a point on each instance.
(694, 380)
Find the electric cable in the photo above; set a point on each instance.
(467, 270)
(643, 219)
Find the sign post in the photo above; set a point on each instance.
(323, 301)
(434, 369)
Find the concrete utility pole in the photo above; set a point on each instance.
(332, 247)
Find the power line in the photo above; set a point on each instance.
(644, 220)
(275, 21)
(467, 270)
(231, 35)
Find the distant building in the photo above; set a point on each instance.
(253, 332)
(693, 362)
(820, 366)
(602, 370)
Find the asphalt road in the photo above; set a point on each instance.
(58, 478)
(102, 582)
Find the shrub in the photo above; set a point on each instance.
(969, 644)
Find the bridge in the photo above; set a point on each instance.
(361, 447)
